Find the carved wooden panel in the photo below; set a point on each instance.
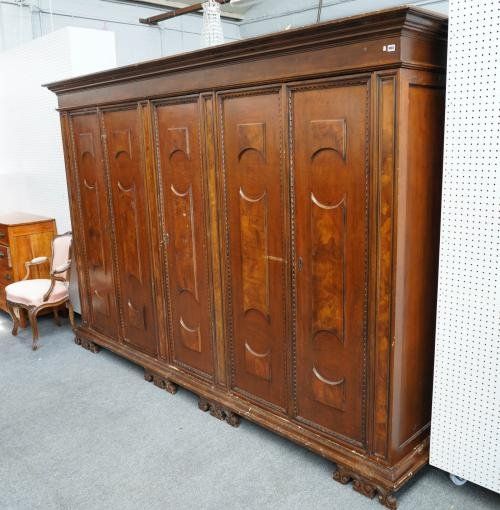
(121, 142)
(95, 222)
(252, 137)
(327, 135)
(255, 252)
(328, 265)
(254, 214)
(178, 141)
(184, 242)
(126, 164)
(329, 130)
(184, 212)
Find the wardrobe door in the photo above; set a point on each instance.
(96, 255)
(126, 163)
(183, 202)
(330, 165)
(255, 252)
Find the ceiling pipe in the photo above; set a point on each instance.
(153, 20)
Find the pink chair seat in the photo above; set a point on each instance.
(31, 292)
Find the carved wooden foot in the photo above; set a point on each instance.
(233, 419)
(219, 412)
(87, 344)
(203, 404)
(365, 487)
(388, 500)
(161, 382)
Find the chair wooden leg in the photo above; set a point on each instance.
(34, 327)
(71, 313)
(56, 316)
(22, 317)
(15, 320)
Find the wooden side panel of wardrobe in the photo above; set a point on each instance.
(94, 216)
(126, 163)
(252, 141)
(183, 205)
(329, 154)
(421, 131)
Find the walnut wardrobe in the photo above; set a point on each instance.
(259, 223)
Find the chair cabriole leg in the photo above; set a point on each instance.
(15, 320)
(34, 327)
(56, 316)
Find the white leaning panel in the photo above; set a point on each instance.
(466, 403)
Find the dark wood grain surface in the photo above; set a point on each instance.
(259, 223)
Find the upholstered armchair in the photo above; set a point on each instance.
(35, 295)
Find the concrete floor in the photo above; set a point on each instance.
(85, 431)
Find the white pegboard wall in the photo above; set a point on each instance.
(465, 434)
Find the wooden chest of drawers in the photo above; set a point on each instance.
(22, 237)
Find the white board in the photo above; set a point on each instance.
(465, 432)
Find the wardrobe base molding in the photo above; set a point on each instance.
(220, 402)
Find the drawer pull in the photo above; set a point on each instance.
(2, 234)
(8, 277)
(2, 255)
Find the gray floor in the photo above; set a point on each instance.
(85, 431)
